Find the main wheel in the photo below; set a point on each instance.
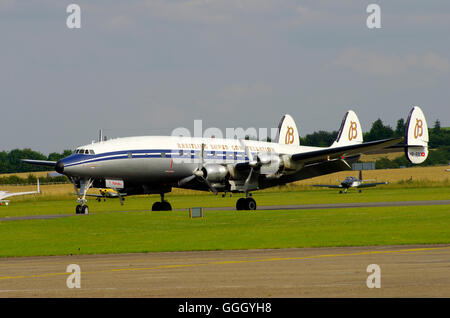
(165, 206)
(156, 206)
(78, 209)
(250, 204)
(240, 204)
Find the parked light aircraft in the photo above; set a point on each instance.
(351, 182)
(156, 164)
(7, 194)
(108, 193)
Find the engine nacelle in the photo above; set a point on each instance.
(215, 172)
(270, 163)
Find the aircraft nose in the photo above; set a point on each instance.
(59, 167)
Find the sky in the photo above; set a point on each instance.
(146, 67)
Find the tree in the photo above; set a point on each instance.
(379, 131)
(437, 127)
(400, 129)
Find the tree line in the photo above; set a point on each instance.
(11, 162)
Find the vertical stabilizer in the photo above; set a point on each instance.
(350, 132)
(416, 136)
(287, 131)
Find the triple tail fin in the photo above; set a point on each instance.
(288, 132)
(350, 132)
(416, 136)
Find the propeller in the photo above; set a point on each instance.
(199, 173)
(253, 163)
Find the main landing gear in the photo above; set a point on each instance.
(247, 203)
(161, 206)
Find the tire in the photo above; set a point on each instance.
(84, 209)
(156, 206)
(240, 204)
(78, 209)
(250, 204)
(165, 206)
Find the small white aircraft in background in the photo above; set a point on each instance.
(351, 182)
(7, 194)
(156, 164)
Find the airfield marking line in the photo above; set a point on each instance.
(174, 266)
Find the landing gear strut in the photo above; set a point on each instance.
(85, 184)
(161, 206)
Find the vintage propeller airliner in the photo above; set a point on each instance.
(156, 164)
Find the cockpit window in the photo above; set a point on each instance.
(91, 152)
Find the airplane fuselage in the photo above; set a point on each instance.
(163, 160)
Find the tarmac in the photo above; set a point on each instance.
(401, 271)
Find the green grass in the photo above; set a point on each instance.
(140, 230)
(44, 206)
(222, 230)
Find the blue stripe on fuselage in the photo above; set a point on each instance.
(78, 159)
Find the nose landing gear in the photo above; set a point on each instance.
(85, 184)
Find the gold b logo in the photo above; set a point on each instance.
(352, 131)
(289, 138)
(418, 129)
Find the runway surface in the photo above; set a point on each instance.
(406, 271)
(272, 207)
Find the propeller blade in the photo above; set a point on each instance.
(251, 161)
(186, 180)
(209, 185)
(202, 158)
(247, 181)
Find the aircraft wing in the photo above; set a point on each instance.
(343, 151)
(7, 195)
(40, 162)
(106, 196)
(368, 185)
(334, 186)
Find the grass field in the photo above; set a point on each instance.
(221, 230)
(140, 230)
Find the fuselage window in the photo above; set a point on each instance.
(91, 152)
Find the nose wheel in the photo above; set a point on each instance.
(246, 204)
(82, 209)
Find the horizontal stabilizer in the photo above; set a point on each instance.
(346, 151)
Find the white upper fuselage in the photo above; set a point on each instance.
(174, 157)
